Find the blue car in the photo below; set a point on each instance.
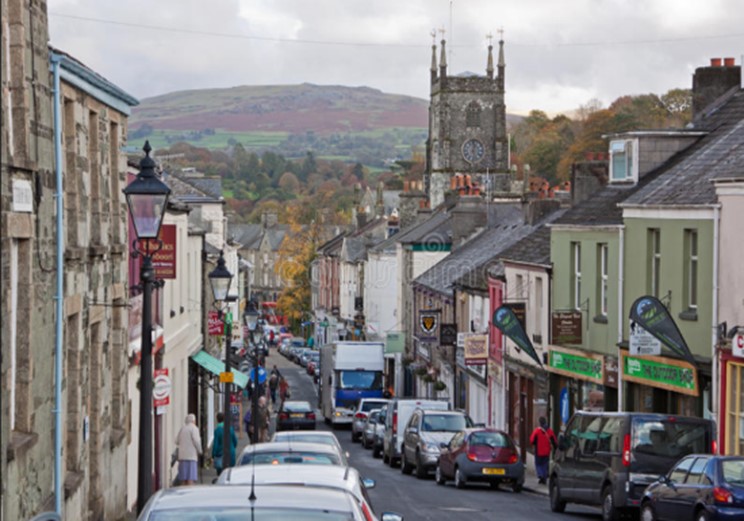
(700, 487)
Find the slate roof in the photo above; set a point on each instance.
(332, 247)
(210, 185)
(186, 192)
(718, 155)
(475, 254)
(436, 229)
(248, 235)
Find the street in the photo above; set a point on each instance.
(419, 500)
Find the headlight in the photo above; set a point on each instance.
(430, 448)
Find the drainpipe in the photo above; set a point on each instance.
(59, 297)
(714, 358)
(620, 315)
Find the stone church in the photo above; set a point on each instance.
(467, 126)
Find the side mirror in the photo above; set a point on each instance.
(369, 483)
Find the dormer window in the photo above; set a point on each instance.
(623, 165)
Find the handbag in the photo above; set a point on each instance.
(218, 462)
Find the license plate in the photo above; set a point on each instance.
(297, 415)
(498, 472)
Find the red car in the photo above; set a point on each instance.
(480, 455)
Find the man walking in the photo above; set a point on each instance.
(543, 438)
(262, 419)
(274, 384)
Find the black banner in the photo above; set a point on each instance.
(505, 319)
(448, 334)
(654, 317)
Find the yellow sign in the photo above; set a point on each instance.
(226, 378)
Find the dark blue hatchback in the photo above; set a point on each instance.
(700, 487)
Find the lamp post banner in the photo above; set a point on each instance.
(508, 323)
(654, 317)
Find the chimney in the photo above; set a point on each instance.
(535, 210)
(269, 219)
(410, 202)
(710, 83)
(468, 215)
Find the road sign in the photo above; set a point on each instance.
(161, 388)
(227, 378)
(261, 374)
(642, 342)
(737, 345)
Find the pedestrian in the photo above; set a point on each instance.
(311, 342)
(188, 445)
(248, 424)
(543, 438)
(283, 389)
(262, 419)
(273, 384)
(218, 451)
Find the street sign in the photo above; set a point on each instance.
(261, 374)
(161, 388)
(737, 345)
(227, 378)
(214, 324)
(642, 342)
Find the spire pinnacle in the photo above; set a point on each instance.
(433, 51)
(502, 63)
(489, 66)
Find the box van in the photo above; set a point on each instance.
(608, 459)
(399, 411)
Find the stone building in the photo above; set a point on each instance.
(467, 126)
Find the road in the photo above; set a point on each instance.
(424, 500)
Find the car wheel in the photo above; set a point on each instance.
(702, 515)
(365, 444)
(459, 479)
(375, 452)
(556, 503)
(609, 512)
(354, 437)
(648, 514)
(385, 458)
(438, 477)
(517, 488)
(405, 467)
(420, 469)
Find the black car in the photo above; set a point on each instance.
(294, 415)
(700, 487)
(608, 459)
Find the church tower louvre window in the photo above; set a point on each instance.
(473, 115)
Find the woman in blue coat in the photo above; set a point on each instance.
(217, 449)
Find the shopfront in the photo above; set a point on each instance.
(527, 400)
(661, 385)
(731, 429)
(579, 381)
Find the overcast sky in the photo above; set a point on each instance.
(559, 53)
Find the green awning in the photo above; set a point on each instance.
(216, 366)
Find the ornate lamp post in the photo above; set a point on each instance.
(147, 198)
(252, 322)
(220, 279)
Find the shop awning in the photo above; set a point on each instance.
(215, 366)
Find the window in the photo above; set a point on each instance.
(576, 274)
(116, 195)
(13, 331)
(691, 247)
(537, 337)
(95, 178)
(70, 173)
(654, 261)
(519, 290)
(472, 116)
(603, 278)
(621, 160)
(8, 90)
(697, 471)
(679, 473)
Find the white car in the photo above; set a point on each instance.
(361, 411)
(322, 437)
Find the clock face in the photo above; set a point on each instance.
(473, 151)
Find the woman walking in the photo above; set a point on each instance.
(222, 460)
(188, 443)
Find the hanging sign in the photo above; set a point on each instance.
(653, 316)
(505, 319)
(448, 334)
(429, 325)
(214, 324)
(737, 345)
(476, 349)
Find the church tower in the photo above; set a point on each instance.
(467, 126)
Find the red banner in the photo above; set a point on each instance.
(164, 261)
(215, 326)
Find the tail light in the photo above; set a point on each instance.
(626, 450)
(283, 416)
(722, 495)
(471, 456)
(513, 458)
(714, 447)
(310, 416)
(360, 416)
(395, 423)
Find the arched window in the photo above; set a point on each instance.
(473, 113)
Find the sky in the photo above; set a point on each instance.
(560, 54)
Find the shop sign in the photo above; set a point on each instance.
(476, 349)
(429, 325)
(164, 260)
(448, 334)
(395, 343)
(215, 324)
(672, 375)
(642, 342)
(610, 371)
(737, 345)
(566, 327)
(161, 388)
(576, 365)
(654, 317)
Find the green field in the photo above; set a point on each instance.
(255, 141)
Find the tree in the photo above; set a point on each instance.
(289, 183)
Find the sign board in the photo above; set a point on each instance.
(429, 325)
(261, 374)
(737, 345)
(520, 311)
(161, 388)
(448, 334)
(476, 349)
(642, 342)
(395, 343)
(226, 377)
(664, 373)
(164, 261)
(655, 318)
(23, 196)
(566, 327)
(576, 365)
(215, 326)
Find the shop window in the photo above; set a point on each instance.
(735, 409)
(653, 269)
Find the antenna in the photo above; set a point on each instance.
(346, 474)
(253, 497)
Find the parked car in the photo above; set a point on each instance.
(608, 459)
(201, 502)
(286, 452)
(700, 487)
(312, 361)
(322, 437)
(370, 428)
(360, 412)
(295, 414)
(480, 455)
(306, 355)
(425, 431)
(379, 438)
(398, 413)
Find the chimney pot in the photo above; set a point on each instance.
(728, 62)
(715, 62)
(406, 185)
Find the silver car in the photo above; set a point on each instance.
(370, 427)
(379, 437)
(286, 452)
(360, 413)
(425, 432)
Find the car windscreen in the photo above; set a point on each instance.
(443, 422)
(215, 513)
(368, 405)
(363, 380)
(307, 438)
(733, 472)
(657, 444)
(296, 407)
(290, 457)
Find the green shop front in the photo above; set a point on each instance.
(662, 385)
(580, 380)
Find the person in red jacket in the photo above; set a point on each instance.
(543, 438)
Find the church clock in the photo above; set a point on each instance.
(473, 151)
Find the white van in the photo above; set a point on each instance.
(399, 411)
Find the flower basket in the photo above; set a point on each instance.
(427, 378)
(439, 386)
(420, 371)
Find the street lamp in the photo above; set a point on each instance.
(147, 198)
(253, 323)
(220, 279)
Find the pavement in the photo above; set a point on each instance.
(530, 478)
